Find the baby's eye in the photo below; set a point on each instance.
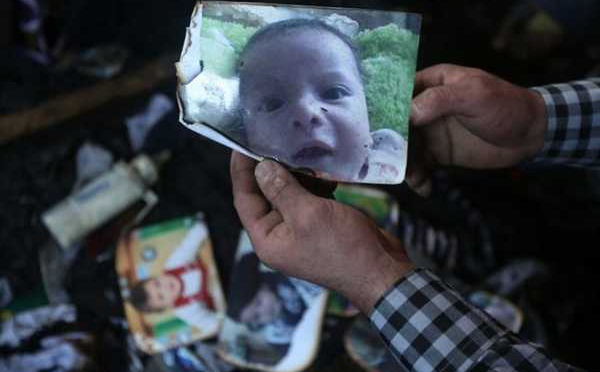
(270, 104)
(335, 92)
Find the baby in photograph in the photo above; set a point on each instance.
(303, 103)
(183, 287)
(264, 311)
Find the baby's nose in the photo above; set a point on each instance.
(307, 115)
(313, 121)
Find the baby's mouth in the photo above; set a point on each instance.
(312, 152)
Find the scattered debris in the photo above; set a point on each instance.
(139, 125)
(103, 62)
(92, 161)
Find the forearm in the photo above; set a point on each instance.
(428, 326)
(573, 123)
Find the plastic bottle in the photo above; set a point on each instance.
(103, 198)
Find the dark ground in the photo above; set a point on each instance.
(550, 214)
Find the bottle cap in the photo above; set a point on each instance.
(145, 168)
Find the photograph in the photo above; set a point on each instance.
(381, 206)
(273, 321)
(367, 349)
(176, 172)
(325, 91)
(498, 307)
(169, 284)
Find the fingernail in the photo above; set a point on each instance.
(264, 170)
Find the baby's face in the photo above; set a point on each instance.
(263, 308)
(304, 103)
(162, 291)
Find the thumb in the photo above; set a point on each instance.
(434, 103)
(280, 188)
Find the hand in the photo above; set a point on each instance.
(312, 238)
(466, 117)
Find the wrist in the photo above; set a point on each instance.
(382, 275)
(539, 122)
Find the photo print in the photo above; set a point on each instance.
(366, 348)
(170, 284)
(326, 91)
(273, 322)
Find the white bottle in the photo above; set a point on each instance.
(101, 199)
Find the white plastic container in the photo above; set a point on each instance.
(102, 199)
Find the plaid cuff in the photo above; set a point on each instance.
(512, 354)
(429, 327)
(573, 133)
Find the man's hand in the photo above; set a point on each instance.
(466, 117)
(313, 238)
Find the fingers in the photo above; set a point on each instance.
(242, 173)
(435, 103)
(257, 216)
(416, 176)
(264, 226)
(421, 187)
(419, 180)
(418, 171)
(442, 74)
(249, 202)
(430, 77)
(438, 92)
(254, 210)
(281, 189)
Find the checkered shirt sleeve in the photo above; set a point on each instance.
(430, 327)
(573, 133)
